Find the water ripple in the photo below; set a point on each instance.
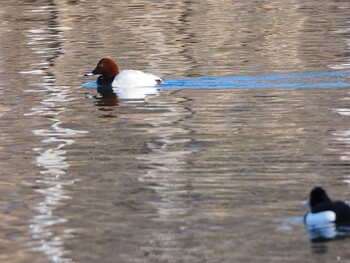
(51, 186)
(47, 235)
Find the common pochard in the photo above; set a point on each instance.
(111, 75)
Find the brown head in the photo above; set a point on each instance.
(105, 67)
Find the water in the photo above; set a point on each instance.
(215, 168)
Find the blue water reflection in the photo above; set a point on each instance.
(327, 232)
(296, 80)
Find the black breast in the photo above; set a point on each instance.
(102, 81)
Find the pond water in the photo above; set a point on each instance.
(215, 168)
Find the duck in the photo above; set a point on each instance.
(324, 211)
(111, 75)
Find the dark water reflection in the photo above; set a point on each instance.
(214, 169)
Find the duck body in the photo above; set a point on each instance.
(135, 78)
(325, 211)
(111, 75)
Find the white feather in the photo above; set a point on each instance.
(135, 78)
(320, 218)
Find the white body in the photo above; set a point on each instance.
(135, 78)
(320, 218)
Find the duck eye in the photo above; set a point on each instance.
(100, 65)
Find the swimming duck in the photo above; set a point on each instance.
(111, 75)
(324, 210)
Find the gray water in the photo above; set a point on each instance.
(210, 170)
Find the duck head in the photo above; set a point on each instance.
(317, 196)
(106, 67)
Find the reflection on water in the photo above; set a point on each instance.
(108, 97)
(299, 80)
(51, 155)
(126, 93)
(161, 177)
(51, 184)
(163, 164)
(111, 95)
(322, 233)
(343, 136)
(327, 232)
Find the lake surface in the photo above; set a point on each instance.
(215, 168)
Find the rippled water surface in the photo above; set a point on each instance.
(215, 168)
